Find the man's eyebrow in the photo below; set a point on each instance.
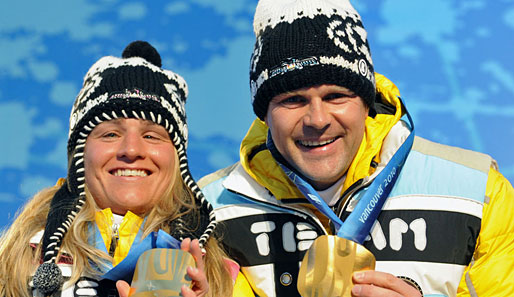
(285, 95)
(342, 92)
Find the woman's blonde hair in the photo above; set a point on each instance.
(19, 259)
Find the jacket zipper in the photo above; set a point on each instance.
(347, 196)
(115, 236)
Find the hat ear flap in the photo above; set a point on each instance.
(62, 206)
(198, 224)
(201, 222)
(63, 209)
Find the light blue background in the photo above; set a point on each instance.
(452, 61)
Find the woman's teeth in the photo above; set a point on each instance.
(130, 172)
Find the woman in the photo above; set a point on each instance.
(128, 176)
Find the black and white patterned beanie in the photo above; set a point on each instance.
(134, 86)
(303, 43)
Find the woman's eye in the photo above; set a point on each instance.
(155, 136)
(109, 135)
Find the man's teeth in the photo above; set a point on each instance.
(316, 143)
(130, 172)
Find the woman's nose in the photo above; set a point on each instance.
(131, 148)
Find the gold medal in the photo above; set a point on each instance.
(161, 272)
(327, 267)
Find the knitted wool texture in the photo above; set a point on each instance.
(304, 43)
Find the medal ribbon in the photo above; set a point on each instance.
(359, 223)
(125, 269)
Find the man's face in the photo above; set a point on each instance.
(318, 130)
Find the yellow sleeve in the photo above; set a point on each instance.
(242, 287)
(491, 272)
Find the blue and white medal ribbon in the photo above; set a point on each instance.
(125, 269)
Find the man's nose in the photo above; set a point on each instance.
(317, 115)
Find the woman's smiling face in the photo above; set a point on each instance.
(129, 164)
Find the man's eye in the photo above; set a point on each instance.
(293, 101)
(338, 97)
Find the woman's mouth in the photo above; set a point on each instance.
(130, 172)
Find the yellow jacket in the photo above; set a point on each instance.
(490, 272)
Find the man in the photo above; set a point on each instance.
(325, 117)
